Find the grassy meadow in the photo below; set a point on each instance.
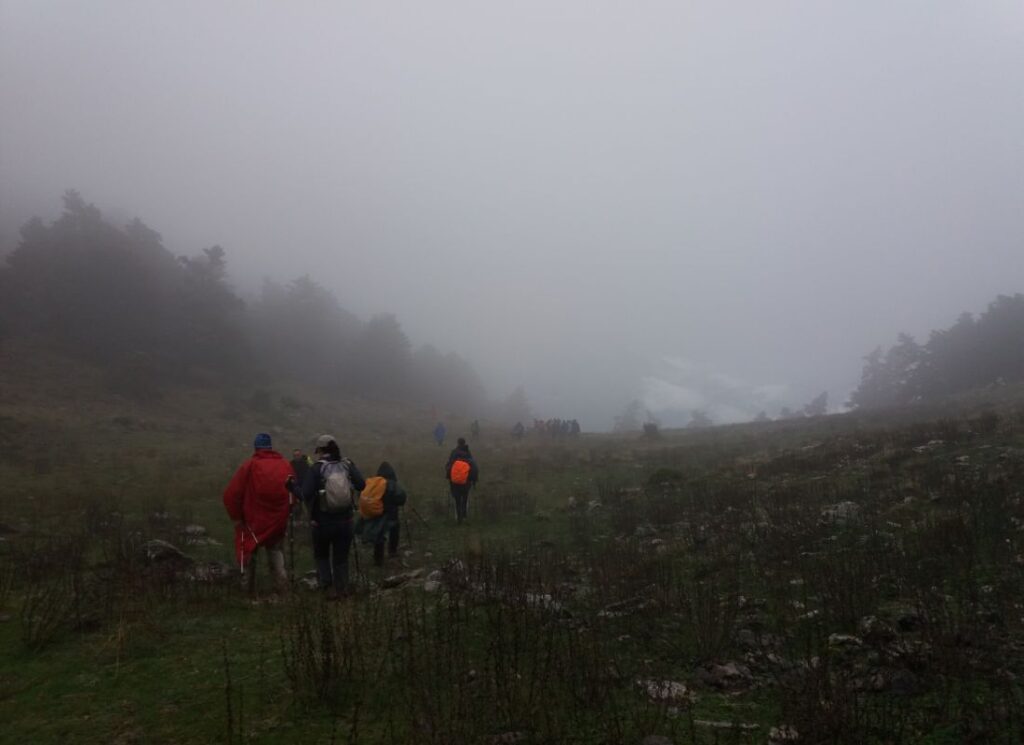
(846, 579)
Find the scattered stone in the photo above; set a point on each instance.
(193, 531)
(624, 607)
(454, 574)
(203, 541)
(160, 552)
(875, 630)
(778, 661)
(211, 571)
(594, 505)
(656, 740)
(912, 651)
(844, 642)
(431, 585)
(645, 531)
(730, 676)
(842, 513)
(572, 503)
(667, 691)
(310, 583)
(930, 445)
(741, 726)
(396, 580)
(544, 602)
(783, 733)
(435, 576)
(454, 566)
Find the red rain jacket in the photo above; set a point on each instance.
(258, 500)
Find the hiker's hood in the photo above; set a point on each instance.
(387, 471)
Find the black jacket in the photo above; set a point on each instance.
(394, 494)
(314, 482)
(301, 467)
(462, 454)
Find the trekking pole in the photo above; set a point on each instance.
(355, 539)
(291, 545)
(355, 551)
(418, 516)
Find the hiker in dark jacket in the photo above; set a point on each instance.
(332, 526)
(385, 528)
(459, 481)
(300, 464)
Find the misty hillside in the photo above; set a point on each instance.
(116, 297)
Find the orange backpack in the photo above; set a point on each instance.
(371, 501)
(460, 472)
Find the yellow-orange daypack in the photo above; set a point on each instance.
(371, 501)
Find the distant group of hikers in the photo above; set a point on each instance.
(266, 491)
(550, 427)
(556, 427)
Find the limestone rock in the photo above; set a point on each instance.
(156, 551)
(666, 691)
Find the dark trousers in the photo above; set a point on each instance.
(390, 537)
(331, 543)
(460, 493)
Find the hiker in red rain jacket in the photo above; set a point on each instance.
(259, 499)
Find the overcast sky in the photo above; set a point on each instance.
(704, 204)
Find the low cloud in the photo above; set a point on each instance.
(680, 386)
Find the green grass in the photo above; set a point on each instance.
(737, 510)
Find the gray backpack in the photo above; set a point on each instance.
(337, 494)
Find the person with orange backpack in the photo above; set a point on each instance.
(462, 474)
(378, 512)
(258, 499)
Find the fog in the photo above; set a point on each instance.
(700, 204)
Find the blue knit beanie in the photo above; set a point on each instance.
(262, 441)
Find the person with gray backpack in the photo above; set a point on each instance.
(329, 492)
